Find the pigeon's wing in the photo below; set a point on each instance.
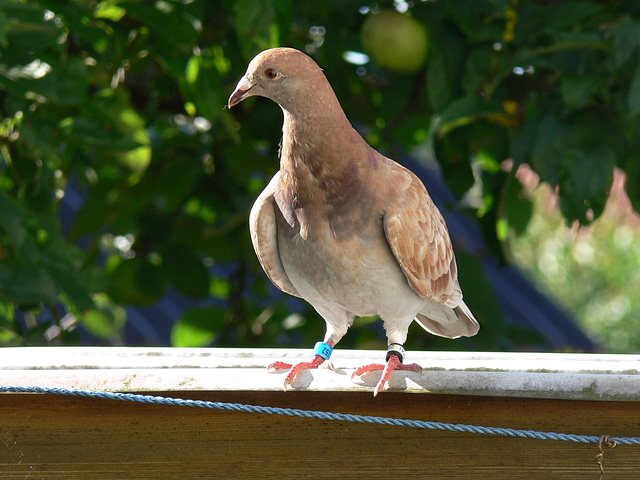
(420, 242)
(263, 227)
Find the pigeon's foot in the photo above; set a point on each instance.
(394, 363)
(296, 369)
(275, 366)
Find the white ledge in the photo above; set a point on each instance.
(125, 369)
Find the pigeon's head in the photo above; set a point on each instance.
(285, 75)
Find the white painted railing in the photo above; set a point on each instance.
(533, 375)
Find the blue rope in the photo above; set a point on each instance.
(340, 417)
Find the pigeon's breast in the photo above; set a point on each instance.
(357, 272)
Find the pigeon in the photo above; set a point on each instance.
(345, 228)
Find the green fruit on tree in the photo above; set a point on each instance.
(395, 41)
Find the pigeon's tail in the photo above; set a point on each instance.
(448, 322)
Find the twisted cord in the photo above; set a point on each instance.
(340, 417)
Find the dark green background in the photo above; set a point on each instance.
(124, 102)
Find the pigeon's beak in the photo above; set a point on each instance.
(241, 92)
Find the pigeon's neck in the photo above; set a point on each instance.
(325, 167)
(311, 145)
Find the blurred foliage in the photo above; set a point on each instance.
(593, 271)
(122, 102)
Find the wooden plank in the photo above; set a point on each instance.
(57, 437)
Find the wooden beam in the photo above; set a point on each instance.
(56, 437)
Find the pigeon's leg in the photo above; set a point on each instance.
(395, 355)
(322, 353)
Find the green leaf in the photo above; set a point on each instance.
(198, 327)
(478, 19)
(452, 152)
(70, 83)
(71, 286)
(445, 65)
(109, 11)
(63, 82)
(106, 320)
(204, 87)
(96, 37)
(626, 41)
(185, 270)
(481, 299)
(42, 266)
(7, 313)
(587, 176)
(22, 281)
(483, 71)
(633, 98)
(4, 21)
(518, 208)
(100, 324)
(577, 90)
(111, 123)
(567, 14)
(12, 220)
(8, 331)
(464, 111)
(169, 21)
(89, 130)
(412, 129)
(256, 25)
(524, 141)
(220, 288)
(136, 281)
(40, 133)
(177, 179)
(27, 29)
(547, 150)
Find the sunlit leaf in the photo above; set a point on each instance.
(204, 86)
(198, 327)
(100, 324)
(110, 11)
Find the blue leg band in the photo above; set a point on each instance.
(323, 349)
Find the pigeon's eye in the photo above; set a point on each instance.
(271, 73)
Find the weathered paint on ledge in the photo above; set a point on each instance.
(526, 375)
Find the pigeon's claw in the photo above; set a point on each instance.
(275, 366)
(295, 369)
(394, 363)
(358, 372)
